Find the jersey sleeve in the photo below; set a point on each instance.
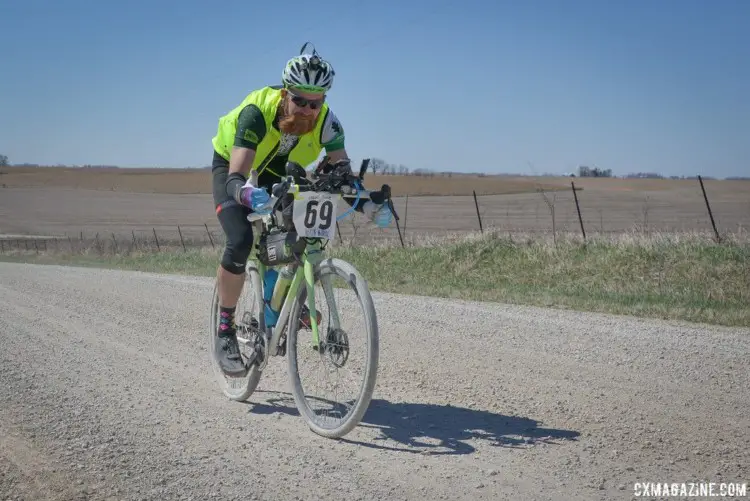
(332, 135)
(251, 127)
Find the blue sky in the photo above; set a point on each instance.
(466, 86)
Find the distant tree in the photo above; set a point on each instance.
(421, 172)
(376, 165)
(380, 166)
(645, 175)
(4, 161)
(585, 171)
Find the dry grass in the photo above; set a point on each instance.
(53, 203)
(198, 181)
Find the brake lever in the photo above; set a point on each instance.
(322, 165)
(279, 189)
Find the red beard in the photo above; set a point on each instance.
(296, 124)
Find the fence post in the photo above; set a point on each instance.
(578, 207)
(338, 230)
(398, 226)
(158, 248)
(400, 237)
(476, 204)
(710, 214)
(181, 240)
(209, 235)
(406, 213)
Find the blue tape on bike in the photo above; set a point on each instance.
(354, 205)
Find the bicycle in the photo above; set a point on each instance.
(302, 247)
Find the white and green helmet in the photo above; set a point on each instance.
(308, 73)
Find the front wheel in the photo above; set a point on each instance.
(343, 350)
(248, 316)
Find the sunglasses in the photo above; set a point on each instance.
(303, 101)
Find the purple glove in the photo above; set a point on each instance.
(255, 198)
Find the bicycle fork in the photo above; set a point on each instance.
(310, 283)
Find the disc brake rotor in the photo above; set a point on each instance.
(337, 347)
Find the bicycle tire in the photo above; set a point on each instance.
(240, 389)
(347, 272)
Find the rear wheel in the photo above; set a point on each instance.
(344, 353)
(248, 318)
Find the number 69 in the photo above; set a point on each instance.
(313, 217)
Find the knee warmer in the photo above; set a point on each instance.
(234, 259)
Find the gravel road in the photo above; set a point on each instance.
(107, 394)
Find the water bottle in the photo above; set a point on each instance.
(269, 282)
(282, 286)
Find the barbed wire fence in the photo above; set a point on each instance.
(551, 213)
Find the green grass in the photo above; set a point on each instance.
(687, 277)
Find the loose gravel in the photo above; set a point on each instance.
(107, 393)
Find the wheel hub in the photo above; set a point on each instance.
(336, 347)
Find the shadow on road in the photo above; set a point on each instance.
(431, 428)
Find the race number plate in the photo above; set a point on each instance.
(314, 215)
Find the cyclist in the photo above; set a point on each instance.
(254, 141)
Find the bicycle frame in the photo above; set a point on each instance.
(304, 275)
